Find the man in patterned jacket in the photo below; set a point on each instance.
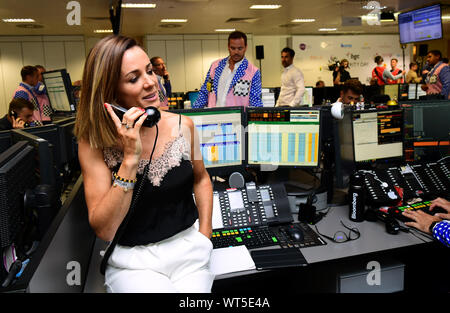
(232, 81)
(30, 78)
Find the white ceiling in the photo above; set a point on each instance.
(204, 16)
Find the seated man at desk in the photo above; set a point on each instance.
(20, 114)
(437, 225)
(350, 94)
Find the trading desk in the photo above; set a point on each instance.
(402, 257)
(374, 244)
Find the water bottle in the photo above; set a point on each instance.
(356, 193)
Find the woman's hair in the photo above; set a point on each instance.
(101, 76)
(378, 59)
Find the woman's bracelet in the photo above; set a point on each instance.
(125, 184)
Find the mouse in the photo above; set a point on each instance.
(295, 233)
(392, 226)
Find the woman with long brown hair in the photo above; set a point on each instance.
(157, 246)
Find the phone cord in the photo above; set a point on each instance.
(134, 202)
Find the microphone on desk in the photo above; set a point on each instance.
(307, 211)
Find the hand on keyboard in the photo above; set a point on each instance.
(443, 205)
(421, 220)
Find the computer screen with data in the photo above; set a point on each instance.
(283, 137)
(221, 134)
(59, 90)
(308, 97)
(377, 135)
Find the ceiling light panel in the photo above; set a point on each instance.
(138, 5)
(303, 20)
(225, 30)
(174, 20)
(265, 6)
(18, 20)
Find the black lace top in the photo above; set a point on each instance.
(166, 205)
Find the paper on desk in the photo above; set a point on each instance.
(231, 259)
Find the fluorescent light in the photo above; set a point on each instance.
(265, 6)
(103, 31)
(226, 30)
(303, 20)
(373, 7)
(327, 29)
(18, 20)
(139, 5)
(174, 20)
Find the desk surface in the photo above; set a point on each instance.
(374, 238)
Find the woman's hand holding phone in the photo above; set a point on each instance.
(128, 130)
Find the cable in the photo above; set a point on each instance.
(134, 202)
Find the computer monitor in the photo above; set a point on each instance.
(420, 92)
(52, 133)
(308, 97)
(403, 92)
(71, 145)
(5, 140)
(427, 129)
(59, 90)
(377, 135)
(16, 176)
(221, 135)
(283, 137)
(45, 168)
(422, 24)
(367, 138)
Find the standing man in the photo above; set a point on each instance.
(159, 67)
(232, 81)
(30, 78)
(411, 76)
(438, 78)
(41, 95)
(292, 81)
(395, 71)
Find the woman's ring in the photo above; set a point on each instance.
(128, 126)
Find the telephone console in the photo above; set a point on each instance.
(257, 216)
(251, 206)
(424, 181)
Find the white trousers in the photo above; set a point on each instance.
(177, 264)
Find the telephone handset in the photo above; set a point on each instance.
(153, 114)
(14, 114)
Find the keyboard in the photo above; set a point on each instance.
(422, 206)
(265, 236)
(251, 237)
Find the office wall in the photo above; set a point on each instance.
(271, 67)
(314, 52)
(53, 52)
